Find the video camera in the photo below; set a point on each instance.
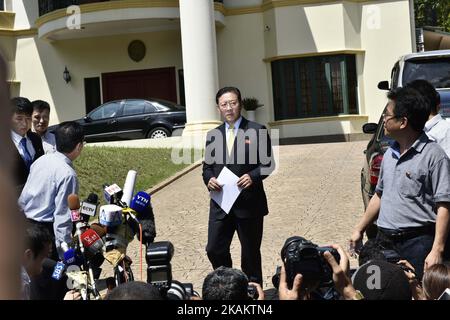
(159, 272)
(302, 256)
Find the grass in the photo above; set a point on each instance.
(99, 165)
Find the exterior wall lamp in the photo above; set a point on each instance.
(66, 75)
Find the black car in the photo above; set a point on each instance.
(132, 119)
(374, 152)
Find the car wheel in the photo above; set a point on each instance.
(158, 133)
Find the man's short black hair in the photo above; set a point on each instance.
(40, 105)
(371, 250)
(381, 280)
(21, 105)
(68, 135)
(427, 90)
(226, 90)
(225, 284)
(134, 290)
(409, 103)
(37, 238)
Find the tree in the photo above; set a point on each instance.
(434, 13)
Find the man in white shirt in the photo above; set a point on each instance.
(40, 119)
(436, 128)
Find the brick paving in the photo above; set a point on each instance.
(315, 194)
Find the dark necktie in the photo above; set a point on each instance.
(26, 155)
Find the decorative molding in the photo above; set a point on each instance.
(18, 33)
(314, 54)
(271, 4)
(109, 5)
(7, 19)
(346, 117)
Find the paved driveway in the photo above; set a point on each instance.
(315, 194)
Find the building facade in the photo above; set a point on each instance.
(314, 65)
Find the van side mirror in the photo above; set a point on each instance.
(87, 119)
(383, 85)
(370, 128)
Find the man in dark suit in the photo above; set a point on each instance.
(243, 147)
(28, 144)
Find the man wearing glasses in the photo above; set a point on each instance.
(243, 147)
(412, 197)
(28, 144)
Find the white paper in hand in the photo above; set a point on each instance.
(230, 191)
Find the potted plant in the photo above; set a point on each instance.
(250, 105)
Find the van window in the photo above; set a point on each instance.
(436, 71)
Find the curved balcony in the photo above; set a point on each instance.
(109, 17)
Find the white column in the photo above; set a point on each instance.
(198, 38)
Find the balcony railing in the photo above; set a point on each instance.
(46, 6)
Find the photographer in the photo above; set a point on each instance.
(341, 281)
(229, 284)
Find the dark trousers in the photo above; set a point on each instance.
(220, 235)
(414, 249)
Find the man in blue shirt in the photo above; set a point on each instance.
(412, 197)
(52, 178)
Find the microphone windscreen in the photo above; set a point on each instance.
(101, 230)
(74, 206)
(92, 198)
(140, 202)
(48, 263)
(128, 188)
(74, 201)
(69, 256)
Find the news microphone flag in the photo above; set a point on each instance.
(58, 271)
(140, 202)
(111, 191)
(92, 241)
(74, 206)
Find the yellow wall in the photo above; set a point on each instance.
(40, 66)
(380, 31)
(240, 51)
(384, 43)
(310, 29)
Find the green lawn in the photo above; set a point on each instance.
(99, 165)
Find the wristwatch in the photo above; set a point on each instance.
(358, 295)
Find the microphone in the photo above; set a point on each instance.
(140, 202)
(89, 206)
(69, 254)
(58, 268)
(74, 206)
(110, 215)
(92, 241)
(129, 187)
(112, 193)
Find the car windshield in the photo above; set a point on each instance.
(163, 105)
(436, 71)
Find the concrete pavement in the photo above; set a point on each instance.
(315, 194)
